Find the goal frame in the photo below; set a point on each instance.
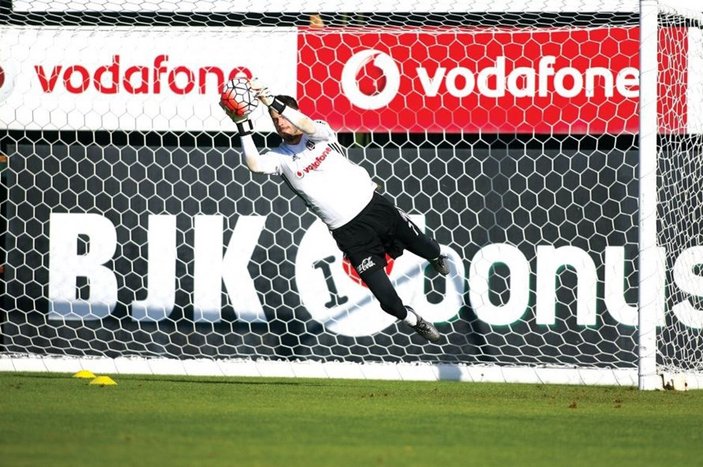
(650, 271)
(646, 376)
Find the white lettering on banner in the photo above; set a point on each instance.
(614, 289)
(480, 289)
(161, 271)
(66, 266)
(550, 261)
(211, 268)
(319, 275)
(344, 306)
(528, 82)
(691, 283)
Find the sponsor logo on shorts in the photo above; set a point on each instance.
(366, 264)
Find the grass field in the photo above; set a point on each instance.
(57, 420)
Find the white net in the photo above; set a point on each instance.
(679, 189)
(510, 135)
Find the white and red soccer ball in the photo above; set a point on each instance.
(237, 97)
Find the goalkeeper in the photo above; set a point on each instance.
(364, 224)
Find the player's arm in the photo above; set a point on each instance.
(255, 161)
(315, 130)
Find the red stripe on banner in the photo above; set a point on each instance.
(555, 81)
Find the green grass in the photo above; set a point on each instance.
(57, 420)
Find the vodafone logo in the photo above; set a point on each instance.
(315, 164)
(154, 77)
(477, 80)
(370, 79)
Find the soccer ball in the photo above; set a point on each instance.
(238, 97)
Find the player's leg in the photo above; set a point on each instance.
(382, 288)
(421, 244)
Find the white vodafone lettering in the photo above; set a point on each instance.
(494, 81)
(431, 85)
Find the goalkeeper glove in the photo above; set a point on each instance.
(265, 96)
(244, 125)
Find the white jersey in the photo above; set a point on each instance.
(317, 170)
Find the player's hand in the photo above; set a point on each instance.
(244, 125)
(262, 91)
(234, 117)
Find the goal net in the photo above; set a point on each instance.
(136, 240)
(671, 307)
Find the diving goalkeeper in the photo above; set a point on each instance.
(365, 224)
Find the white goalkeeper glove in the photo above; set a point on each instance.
(244, 125)
(265, 96)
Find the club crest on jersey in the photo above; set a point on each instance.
(310, 145)
(366, 264)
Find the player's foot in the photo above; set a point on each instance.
(426, 330)
(440, 265)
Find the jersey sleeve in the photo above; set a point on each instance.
(323, 132)
(268, 162)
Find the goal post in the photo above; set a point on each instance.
(553, 154)
(651, 274)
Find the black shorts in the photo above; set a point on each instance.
(379, 229)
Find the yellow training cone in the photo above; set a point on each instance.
(84, 374)
(103, 381)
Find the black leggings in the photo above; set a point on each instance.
(380, 229)
(378, 281)
(416, 241)
(382, 288)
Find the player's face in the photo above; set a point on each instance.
(284, 128)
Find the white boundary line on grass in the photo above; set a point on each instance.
(332, 370)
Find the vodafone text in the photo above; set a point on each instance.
(316, 163)
(116, 77)
(496, 81)
(212, 268)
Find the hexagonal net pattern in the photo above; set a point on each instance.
(134, 229)
(680, 320)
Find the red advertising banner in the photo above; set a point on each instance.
(555, 81)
